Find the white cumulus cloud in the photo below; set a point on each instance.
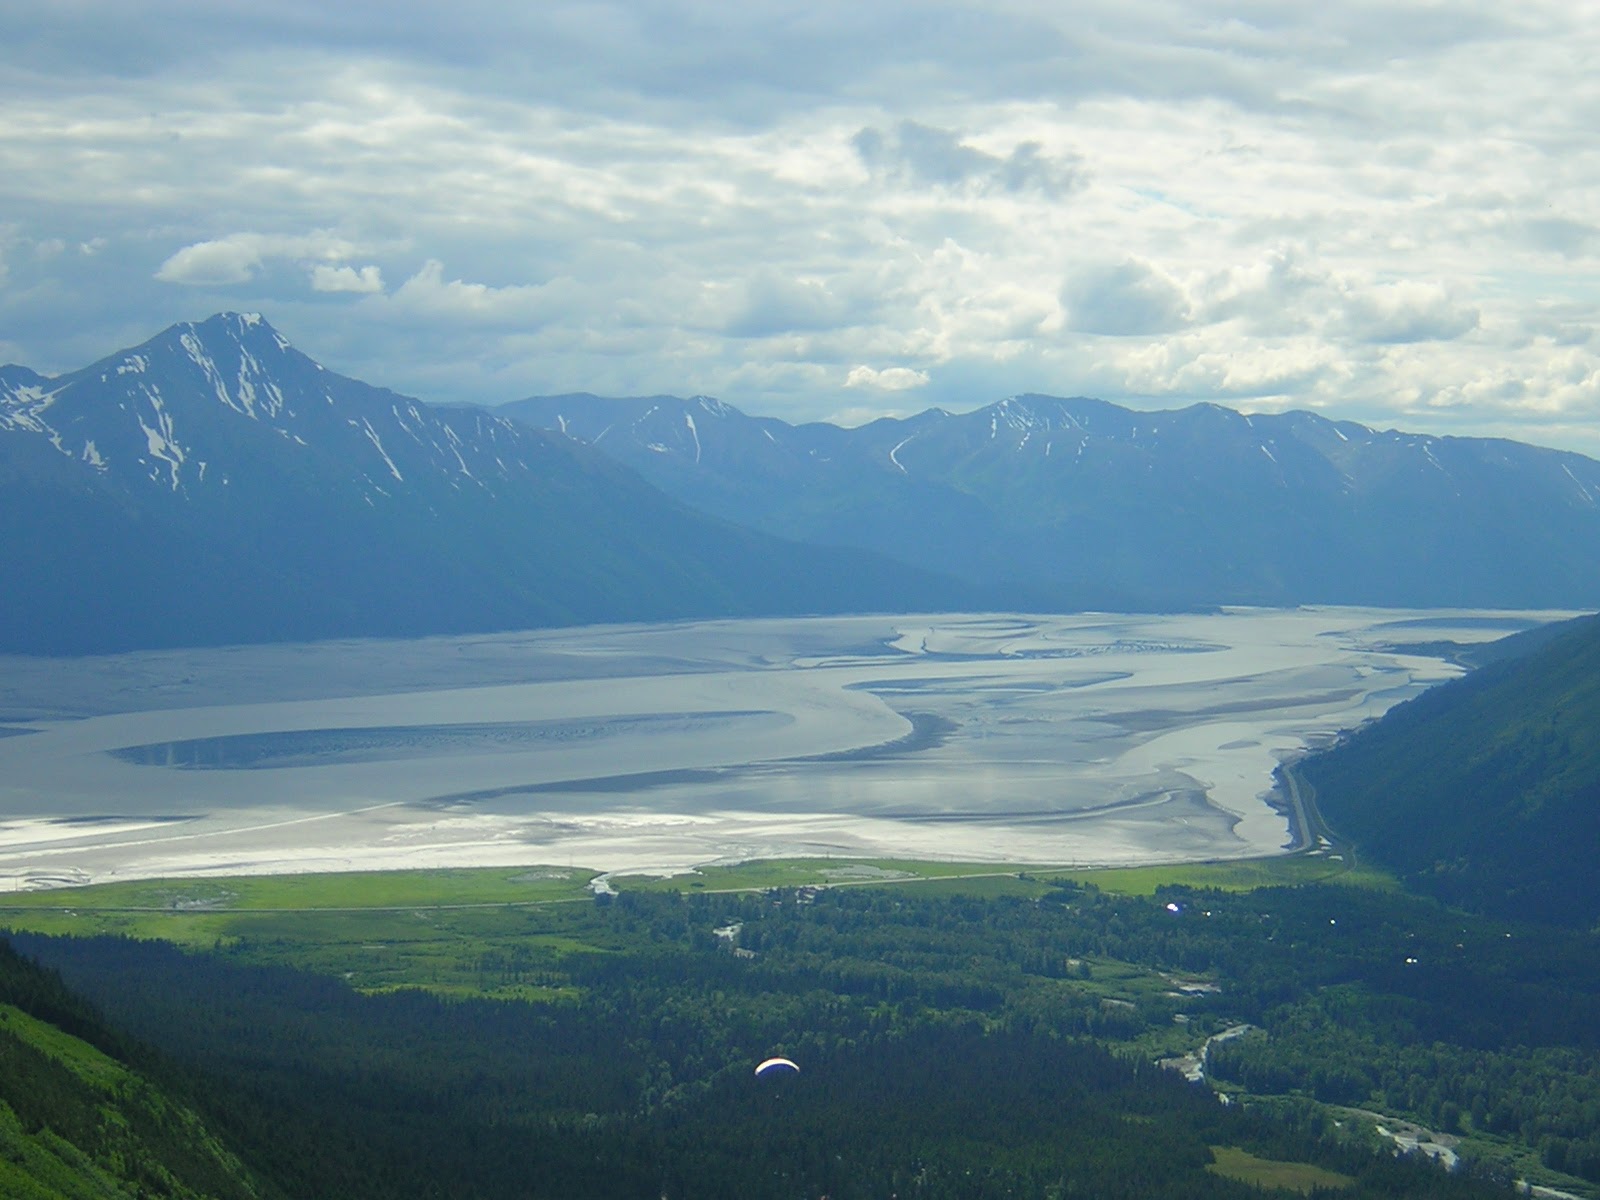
(238, 257)
(366, 281)
(1125, 299)
(428, 293)
(890, 379)
(213, 264)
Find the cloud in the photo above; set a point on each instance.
(1560, 235)
(1408, 312)
(1282, 292)
(768, 304)
(238, 257)
(1156, 202)
(213, 264)
(366, 281)
(429, 294)
(1231, 369)
(1125, 299)
(1559, 324)
(918, 153)
(890, 379)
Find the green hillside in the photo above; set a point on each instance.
(1485, 792)
(77, 1123)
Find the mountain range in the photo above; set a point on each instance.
(216, 485)
(1081, 503)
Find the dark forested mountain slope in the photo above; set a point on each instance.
(1078, 501)
(214, 485)
(77, 1122)
(1485, 791)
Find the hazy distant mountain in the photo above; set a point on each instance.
(1486, 791)
(215, 485)
(1083, 502)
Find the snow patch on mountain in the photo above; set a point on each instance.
(196, 350)
(454, 440)
(1583, 490)
(372, 436)
(24, 408)
(694, 433)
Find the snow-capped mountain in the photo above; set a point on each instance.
(1083, 502)
(172, 414)
(215, 484)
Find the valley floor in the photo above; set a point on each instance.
(1090, 739)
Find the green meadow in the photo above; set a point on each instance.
(412, 906)
(508, 932)
(1305, 1178)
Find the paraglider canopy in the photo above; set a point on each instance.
(776, 1065)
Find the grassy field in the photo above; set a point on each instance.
(434, 928)
(505, 932)
(1241, 875)
(1265, 1173)
(486, 950)
(321, 891)
(802, 872)
(975, 878)
(206, 911)
(377, 929)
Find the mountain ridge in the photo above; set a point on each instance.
(215, 485)
(1084, 503)
(1485, 791)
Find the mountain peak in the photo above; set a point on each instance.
(14, 377)
(242, 328)
(214, 484)
(162, 410)
(233, 321)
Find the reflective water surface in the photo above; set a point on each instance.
(1065, 739)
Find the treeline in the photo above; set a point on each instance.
(946, 1048)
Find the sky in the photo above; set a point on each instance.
(832, 210)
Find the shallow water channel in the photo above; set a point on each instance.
(1082, 739)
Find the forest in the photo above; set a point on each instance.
(953, 1039)
(1485, 791)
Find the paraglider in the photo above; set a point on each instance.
(776, 1066)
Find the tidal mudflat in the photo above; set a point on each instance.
(1085, 739)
